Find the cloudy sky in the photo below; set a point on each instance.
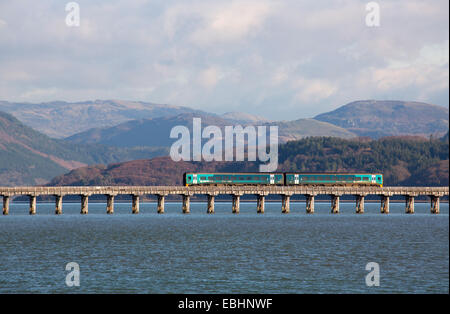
(282, 59)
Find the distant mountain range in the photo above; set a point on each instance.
(387, 118)
(361, 118)
(156, 131)
(80, 120)
(60, 119)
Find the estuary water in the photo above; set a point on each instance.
(224, 253)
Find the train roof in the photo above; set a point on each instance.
(260, 173)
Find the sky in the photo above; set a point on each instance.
(283, 60)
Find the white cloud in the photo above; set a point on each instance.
(233, 21)
(313, 90)
(209, 77)
(220, 21)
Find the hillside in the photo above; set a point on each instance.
(301, 128)
(28, 157)
(143, 132)
(156, 131)
(60, 119)
(403, 161)
(389, 118)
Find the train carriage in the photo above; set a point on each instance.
(247, 178)
(347, 179)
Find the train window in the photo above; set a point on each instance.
(202, 178)
(366, 178)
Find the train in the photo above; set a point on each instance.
(284, 179)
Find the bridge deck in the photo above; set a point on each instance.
(215, 190)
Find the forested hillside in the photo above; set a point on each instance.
(403, 161)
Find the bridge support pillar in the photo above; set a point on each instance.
(110, 204)
(409, 204)
(385, 204)
(309, 204)
(210, 209)
(435, 204)
(236, 203)
(58, 204)
(186, 204)
(360, 204)
(134, 204)
(286, 203)
(161, 203)
(5, 204)
(335, 204)
(32, 205)
(260, 204)
(84, 204)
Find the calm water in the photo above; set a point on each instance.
(224, 253)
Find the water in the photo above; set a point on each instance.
(224, 253)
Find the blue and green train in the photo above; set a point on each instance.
(286, 178)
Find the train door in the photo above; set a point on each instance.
(194, 179)
(272, 179)
(296, 179)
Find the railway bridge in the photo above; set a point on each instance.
(286, 192)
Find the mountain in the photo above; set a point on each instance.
(301, 128)
(28, 157)
(60, 119)
(243, 118)
(144, 132)
(389, 118)
(403, 161)
(156, 131)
